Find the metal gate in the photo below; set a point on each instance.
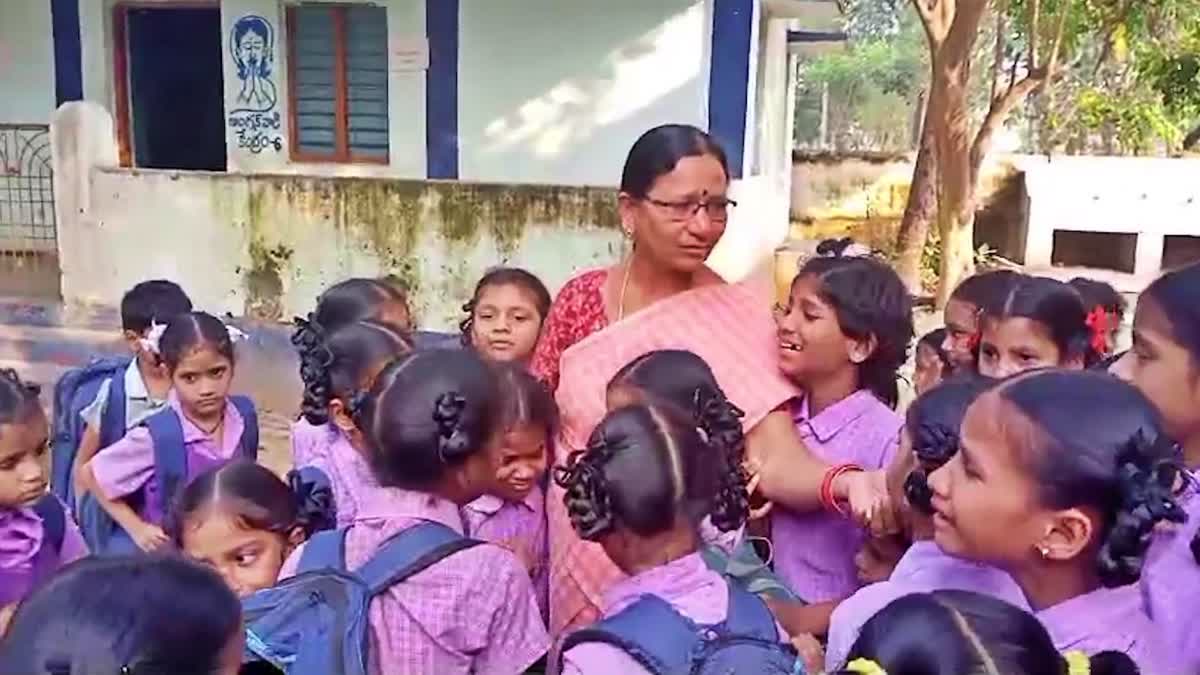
(28, 236)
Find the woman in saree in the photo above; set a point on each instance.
(674, 206)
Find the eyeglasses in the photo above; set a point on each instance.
(717, 208)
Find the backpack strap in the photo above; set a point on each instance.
(410, 552)
(324, 550)
(650, 631)
(749, 616)
(112, 422)
(170, 453)
(249, 442)
(54, 521)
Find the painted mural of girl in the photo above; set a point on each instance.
(252, 46)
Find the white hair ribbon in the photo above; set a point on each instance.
(236, 334)
(153, 335)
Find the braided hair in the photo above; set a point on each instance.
(932, 423)
(645, 466)
(684, 380)
(1100, 444)
(18, 399)
(869, 300)
(335, 366)
(427, 413)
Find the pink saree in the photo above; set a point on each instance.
(731, 328)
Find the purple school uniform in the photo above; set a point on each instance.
(24, 562)
(1171, 582)
(472, 612)
(516, 526)
(328, 449)
(814, 552)
(127, 466)
(686, 583)
(1111, 619)
(923, 568)
(309, 441)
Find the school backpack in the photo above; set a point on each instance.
(103, 535)
(73, 392)
(315, 623)
(665, 642)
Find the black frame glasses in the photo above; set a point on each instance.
(717, 209)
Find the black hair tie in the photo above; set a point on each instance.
(447, 413)
(314, 500)
(588, 503)
(356, 405)
(918, 492)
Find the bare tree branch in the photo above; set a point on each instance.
(1059, 34)
(1001, 10)
(1110, 31)
(1035, 21)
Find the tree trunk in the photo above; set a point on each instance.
(956, 203)
(920, 210)
(1192, 139)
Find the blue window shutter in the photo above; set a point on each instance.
(313, 71)
(367, 81)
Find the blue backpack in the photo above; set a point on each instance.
(103, 535)
(54, 522)
(665, 642)
(73, 392)
(315, 623)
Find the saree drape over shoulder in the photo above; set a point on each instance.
(731, 328)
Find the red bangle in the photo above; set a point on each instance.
(827, 499)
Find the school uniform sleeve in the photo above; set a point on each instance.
(124, 467)
(94, 411)
(516, 635)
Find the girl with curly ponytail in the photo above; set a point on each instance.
(640, 490)
(1060, 479)
(1164, 364)
(429, 424)
(339, 367)
(929, 440)
(341, 305)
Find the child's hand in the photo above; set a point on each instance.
(810, 652)
(866, 492)
(149, 538)
(760, 507)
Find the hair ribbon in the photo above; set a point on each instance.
(866, 667)
(1078, 663)
(1097, 322)
(153, 336)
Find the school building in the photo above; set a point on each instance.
(258, 150)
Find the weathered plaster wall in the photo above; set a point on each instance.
(265, 246)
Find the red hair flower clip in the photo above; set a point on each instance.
(1097, 321)
(974, 340)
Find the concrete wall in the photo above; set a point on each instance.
(556, 92)
(26, 62)
(265, 245)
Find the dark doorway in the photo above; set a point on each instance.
(175, 88)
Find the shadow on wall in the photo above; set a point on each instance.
(582, 100)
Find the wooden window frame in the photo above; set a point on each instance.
(341, 117)
(123, 103)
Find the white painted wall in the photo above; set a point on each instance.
(26, 62)
(556, 92)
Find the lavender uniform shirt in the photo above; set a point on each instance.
(814, 552)
(472, 612)
(519, 527)
(125, 467)
(1171, 581)
(25, 563)
(1111, 619)
(686, 583)
(327, 448)
(923, 568)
